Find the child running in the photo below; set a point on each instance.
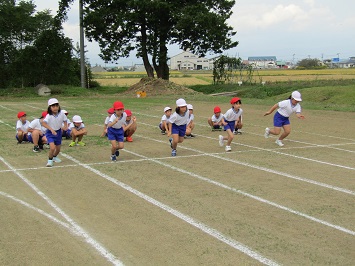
(22, 125)
(177, 126)
(164, 123)
(190, 123)
(228, 121)
(130, 126)
(115, 130)
(281, 117)
(216, 120)
(77, 131)
(53, 123)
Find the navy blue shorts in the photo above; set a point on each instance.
(230, 125)
(115, 134)
(280, 120)
(52, 138)
(180, 130)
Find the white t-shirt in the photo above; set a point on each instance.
(191, 118)
(72, 125)
(126, 123)
(232, 115)
(22, 126)
(120, 122)
(178, 119)
(36, 124)
(286, 108)
(106, 120)
(55, 121)
(215, 119)
(165, 118)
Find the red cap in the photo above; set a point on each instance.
(128, 112)
(118, 105)
(20, 114)
(234, 100)
(217, 109)
(111, 111)
(44, 114)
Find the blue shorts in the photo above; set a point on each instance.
(30, 139)
(115, 134)
(280, 120)
(52, 138)
(67, 134)
(25, 137)
(230, 125)
(180, 130)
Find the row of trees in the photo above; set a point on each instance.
(33, 48)
(150, 26)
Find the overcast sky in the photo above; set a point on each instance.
(289, 30)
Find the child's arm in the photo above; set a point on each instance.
(272, 109)
(65, 127)
(44, 124)
(113, 122)
(169, 129)
(299, 115)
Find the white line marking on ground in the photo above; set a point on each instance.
(212, 232)
(81, 232)
(12, 110)
(249, 195)
(2, 122)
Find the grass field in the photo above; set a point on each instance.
(259, 204)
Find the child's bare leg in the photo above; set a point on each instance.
(51, 150)
(175, 141)
(229, 137)
(57, 150)
(275, 131)
(287, 131)
(114, 146)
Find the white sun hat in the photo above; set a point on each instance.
(190, 107)
(297, 96)
(52, 101)
(65, 111)
(181, 102)
(167, 108)
(77, 119)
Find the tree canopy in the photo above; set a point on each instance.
(33, 48)
(149, 26)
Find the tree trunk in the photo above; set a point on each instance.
(148, 68)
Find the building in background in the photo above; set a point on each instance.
(262, 61)
(189, 61)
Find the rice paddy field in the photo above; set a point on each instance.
(259, 204)
(188, 78)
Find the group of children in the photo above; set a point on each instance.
(53, 125)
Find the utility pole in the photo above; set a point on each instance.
(82, 47)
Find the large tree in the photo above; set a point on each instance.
(150, 26)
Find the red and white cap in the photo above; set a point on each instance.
(52, 101)
(77, 119)
(297, 96)
(118, 105)
(44, 114)
(65, 112)
(167, 108)
(181, 102)
(20, 114)
(128, 112)
(217, 109)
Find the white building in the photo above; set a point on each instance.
(262, 61)
(189, 61)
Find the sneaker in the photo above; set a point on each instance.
(237, 132)
(41, 147)
(80, 143)
(221, 141)
(72, 144)
(117, 153)
(56, 160)
(129, 139)
(192, 136)
(49, 163)
(279, 142)
(113, 158)
(36, 149)
(228, 148)
(173, 153)
(171, 142)
(267, 132)
(162, 132)
(47, 146)
(187, 136)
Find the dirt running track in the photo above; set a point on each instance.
(259, 204)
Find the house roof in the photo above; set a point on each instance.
(262, 58)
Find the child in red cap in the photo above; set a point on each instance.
(216, 120)
(130, 126)
(37, 133)
(230, 118)
(22, 127)
(115, 131)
